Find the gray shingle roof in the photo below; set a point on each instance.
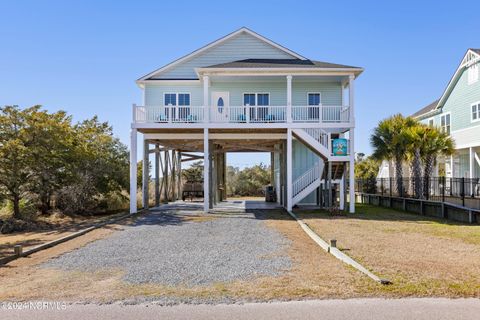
(426, 109)
(475, 50)
(279, 63)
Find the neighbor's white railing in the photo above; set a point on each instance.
(241, 114)
(306, 179)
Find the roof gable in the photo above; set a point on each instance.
(239, 45)
(471, 56)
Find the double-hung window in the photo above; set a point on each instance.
(170, 99)
(431, 122)
(259, 100)
(179, 105)
(249, 99)
(445, 123)
(475, 111)
(314, 101)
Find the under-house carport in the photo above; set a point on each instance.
(171, 151)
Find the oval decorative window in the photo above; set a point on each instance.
(220, 104)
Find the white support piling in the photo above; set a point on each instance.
(133, 171)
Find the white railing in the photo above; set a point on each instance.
(320, 135)
(170, 114)
(248, 114)
(320, 113)
(306, 179)
(240, 114)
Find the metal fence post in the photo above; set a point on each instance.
(443, 188)
(427, 184)
(462, 191)
(390, 187)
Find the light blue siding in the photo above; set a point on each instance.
(277, 91)
(303, 159)
(459, 103)
(242, 46)
(331, 92)
(154, 94)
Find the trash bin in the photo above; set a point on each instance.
(270, 194)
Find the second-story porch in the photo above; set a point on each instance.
(248, 100)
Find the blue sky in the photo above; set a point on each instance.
(83, 56)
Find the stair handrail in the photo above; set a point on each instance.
(306, 179)
(322, 136)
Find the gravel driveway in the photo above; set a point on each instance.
(165, 248)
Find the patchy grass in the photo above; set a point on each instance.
(314, 274)
(49, 227)
(422, 256)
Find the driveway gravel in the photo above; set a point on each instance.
(165, 248)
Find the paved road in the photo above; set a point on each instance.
(358, 309)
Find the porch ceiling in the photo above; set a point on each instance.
(222, 145)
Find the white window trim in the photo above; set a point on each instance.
(256, 98)
(319, 93)
(445, 115)
(471, 113)
(433, 121)
(472, 76)
(176, 99)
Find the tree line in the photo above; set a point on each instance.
(405, 140)
(249, 181)
(49, 162)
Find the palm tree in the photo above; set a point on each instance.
(436, 143)
(389, 142)
(415, 137)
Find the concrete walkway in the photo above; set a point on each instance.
(360, 309)
(231, 205)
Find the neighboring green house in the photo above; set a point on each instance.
(457, 112)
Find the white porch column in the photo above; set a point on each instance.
(342, 193)
(157, 175)
(133, 171)
(472, 159)
(179, 170)
(451, 166)
(351, 92)
(145, 174)
(289, 98)
(206, 84)
(352, 144)
(289, 171)
(206, 172)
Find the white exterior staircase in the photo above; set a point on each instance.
(307, 182)
(317, 140)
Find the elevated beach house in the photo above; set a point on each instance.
(246, 93)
